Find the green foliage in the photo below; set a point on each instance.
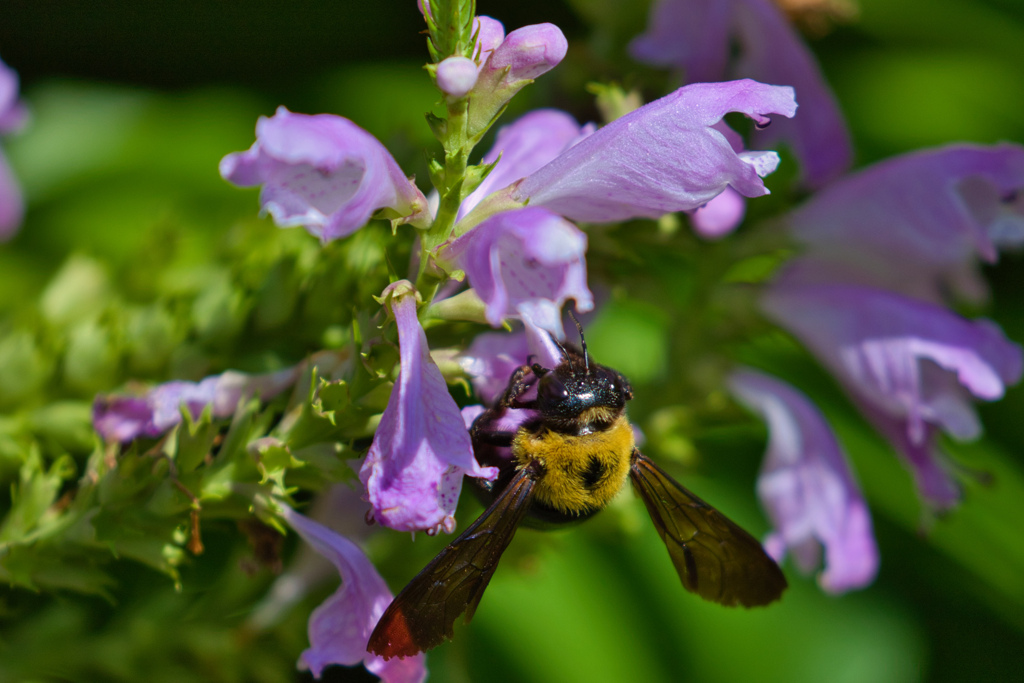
(199, 286)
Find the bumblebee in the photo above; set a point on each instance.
(568, 460)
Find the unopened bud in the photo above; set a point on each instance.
(490, 33)
(456, 76)
(529, 52)
(525, 54)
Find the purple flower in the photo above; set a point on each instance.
(340, 628)
(665, 156)
(420, 451)
(905, 361)
(807, 487)
(523, 147)
(126, 417)
(325, 173)
(12, 117)
(691, 35)
(699, 37)
(490, 361)
(931, 468)
(916, 223)
(525, 264)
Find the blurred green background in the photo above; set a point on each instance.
(134, 104)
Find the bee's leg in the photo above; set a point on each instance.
(493, 437)
(513, 398)
(518, 384)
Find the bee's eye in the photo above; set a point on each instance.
(551, 389)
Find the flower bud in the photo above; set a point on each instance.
(456, 76)
(720, 215)
(525, 54)
(529, 52)
(490, 33)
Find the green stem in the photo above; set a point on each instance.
(456, 159)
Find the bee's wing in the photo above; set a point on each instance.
(714, 557)
(423, 614)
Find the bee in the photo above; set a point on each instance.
(569, 459)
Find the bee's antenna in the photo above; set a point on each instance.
(559, 344)
(583, 342)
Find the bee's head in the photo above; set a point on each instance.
(578, 393)
(575, 387)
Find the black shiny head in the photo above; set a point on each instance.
(576, 385)
(579, 395)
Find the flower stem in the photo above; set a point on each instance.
(457, 147)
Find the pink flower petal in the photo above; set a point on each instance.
(493, 356)
(906, 362)
(807, 487)
(420, 451)
(665, 156)
(322, 172)
(126, 417)
(700, 37)
(524, 146)
(528, 52)
(13, 116)
(918, 222)
(340, 628)
(525, 264)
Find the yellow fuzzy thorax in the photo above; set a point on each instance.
(581, 473)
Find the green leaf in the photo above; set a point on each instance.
(193, 440)
(328, 416)
(756, 269)
(274, 459)
(32, 497)
(139, 535)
